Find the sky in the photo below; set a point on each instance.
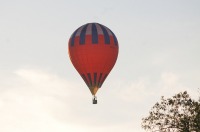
(41, 91)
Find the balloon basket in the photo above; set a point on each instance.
(94, 101)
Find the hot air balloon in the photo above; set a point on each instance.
(93, 50)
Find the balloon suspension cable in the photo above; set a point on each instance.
(94, 99)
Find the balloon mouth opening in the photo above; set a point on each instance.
(94, 90)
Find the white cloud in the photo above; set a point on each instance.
(39, 101)
(136, 91)
(143, 89)
(169, 84)
(169, 78)
(172, 83)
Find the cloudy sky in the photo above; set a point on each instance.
(159, 55)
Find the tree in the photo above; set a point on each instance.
(177, 114)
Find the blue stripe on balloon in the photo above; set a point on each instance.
(99, 81)
(94, 34)
(90, 79)
(73, 38)
(104, 78)
(82, 35)
(85, 79)
(95, 78)
(106, 35)
(115, 39)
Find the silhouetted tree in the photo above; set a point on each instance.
(177, 114)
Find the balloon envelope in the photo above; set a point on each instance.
(93, 50)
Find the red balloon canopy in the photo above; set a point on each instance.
(93, 50)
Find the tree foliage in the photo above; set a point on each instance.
(177, 114)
